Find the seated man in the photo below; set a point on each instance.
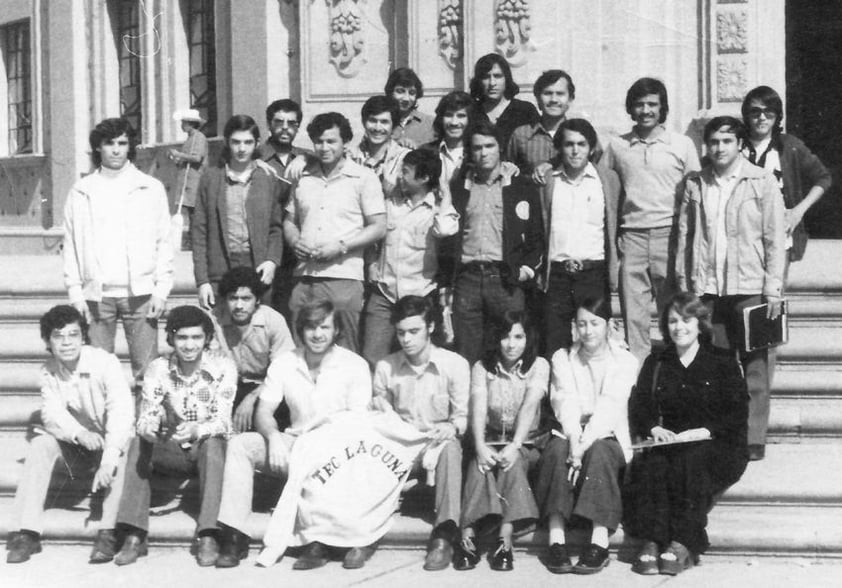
(315, 380)
(252, 334)
(88, 413)
(429, 387)
(185, 416)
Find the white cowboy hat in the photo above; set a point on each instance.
(190, 114)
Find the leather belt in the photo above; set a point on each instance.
(574, 266)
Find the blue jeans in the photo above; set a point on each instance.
(141, 332)
(479, 298)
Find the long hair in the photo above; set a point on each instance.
(502, 326)
(687, 305)
(451, 103)
(771, 99)
(483, 66)
(108, 129)
(644, 87)
(240, 122)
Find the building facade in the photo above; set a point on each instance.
(69, 63)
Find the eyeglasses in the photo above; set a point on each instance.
(285, 123)
(767, 112)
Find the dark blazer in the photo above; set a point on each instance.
(264, 212)
(517, 113)
(523, 230)
(611, 189)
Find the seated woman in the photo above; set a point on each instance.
(506, 391)
(693, 390)
(580, 472)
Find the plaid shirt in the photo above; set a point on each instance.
(204, 397)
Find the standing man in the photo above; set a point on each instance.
(336, 211)
(252, 334)
(191, 161)
(88, 413)
(531, 146)
(283, 118)
(315, 380)
(429, 387)
(452, 121)
(499, 249)
(118, 260)
(579, 202)
(731, 253)
(378, 151)
(184, 418)
(407, 262)
(414, 128)
(652, 163)
(239, 214)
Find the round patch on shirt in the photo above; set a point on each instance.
(522, 210)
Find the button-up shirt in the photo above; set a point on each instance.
(719, 193)
(451, 160)
(505, 393)
(205, 397)
(529, 146)
(236, 192)
(387, 167)
(255, 346)
(577, 226)
(417, 127)
(274, 158)
(428, 395)
(408, 259)
(483, 237)
(651, 171)
(343, 382)
(93, 397)
(327, 209)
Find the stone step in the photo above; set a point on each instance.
(732, 529)
(798, 474)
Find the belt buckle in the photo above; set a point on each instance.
(572, 266)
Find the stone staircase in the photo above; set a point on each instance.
(788, 504)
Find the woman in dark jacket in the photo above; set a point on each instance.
(494, 90)
(688, 390)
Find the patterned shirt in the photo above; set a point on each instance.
(506, 391)
(205, 397)
(529, 146)
(387, 168)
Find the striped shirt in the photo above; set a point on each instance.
(529, 146)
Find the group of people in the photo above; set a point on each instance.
(465, 260)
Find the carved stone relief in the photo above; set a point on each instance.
(513, 30)
(732, 31)
(731, 79)
(347, 41)
(450, 31)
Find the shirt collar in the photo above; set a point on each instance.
(83, 367)
(590, 172)
(240, 178)
(429, 199)
(207, 365)
(539, 129)
(735, 173)
(412, 116)
(432, 362)
(515, 372)
(258, 319)
(346, 167)
(502, 174)
(663, 137)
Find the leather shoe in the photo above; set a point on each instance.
(133, 548)
(357, 556)
(503, 559)
(315, 555)
(756, 452)
(105, 546)
(233, 547)
(439, 554)
(21, 546)
(207, 550)
(465, 556)
(558, 560)
(592, 561)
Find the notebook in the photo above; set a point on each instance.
(759, 332)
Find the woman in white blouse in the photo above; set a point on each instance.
(580, 472)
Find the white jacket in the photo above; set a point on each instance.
(570, 398)
(150, 256)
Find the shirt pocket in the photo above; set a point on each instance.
(441, 406)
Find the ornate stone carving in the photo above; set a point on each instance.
(347, 42)
(732, 31)
(450, 31)
(731, 79)
(513, 30)
(732, 1)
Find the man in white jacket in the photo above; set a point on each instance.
(118, 260)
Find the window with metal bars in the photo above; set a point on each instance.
(17, 56)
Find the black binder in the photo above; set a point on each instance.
(761, 333)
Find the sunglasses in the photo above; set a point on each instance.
(767, 112)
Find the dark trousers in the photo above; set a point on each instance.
(670, 490)
(727, 320)
(566, 291)
(208, 457)
(448, 483)
(505, 494)
(596, 496)
(479, 298)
